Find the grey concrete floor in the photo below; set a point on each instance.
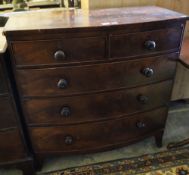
(177, 128)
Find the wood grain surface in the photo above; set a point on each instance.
(94, 78)
(96, 107)
(98, 135)
(181, 6)
(67, 19)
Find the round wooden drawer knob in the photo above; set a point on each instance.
(68, 140)
(62, 84)
(65, 111)
(148, 72)
(140, 125)
(150, 45)
(143, 99)
(59, 55)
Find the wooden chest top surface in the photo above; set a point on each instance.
(67, 19)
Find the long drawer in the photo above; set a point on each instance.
(145, 43)
(7, 113)
(67, 50)
(93, 107)
(11, 146)
(99, 77)
(99, 135)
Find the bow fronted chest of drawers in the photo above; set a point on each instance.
(94, 80)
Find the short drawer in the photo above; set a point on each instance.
(11, 146)
(95, 107)
(7, 113)
(67, 50)
(93, 78)
(145, 43)
(99, 135)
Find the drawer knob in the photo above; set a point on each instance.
(150, 45)
(65, 111)
(143, 99)
(148, 72)
(62, 84)
(68, 140)
(59, 55)
(140, 125)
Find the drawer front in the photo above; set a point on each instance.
(99, 135)
(3, 83)
(145, 43)
(7, 113)
(79, 109)
(68, 50)
(11, 146)
(92, 78)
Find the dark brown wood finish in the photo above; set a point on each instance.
(145, 43)
(50, 21)
(67, 50)
(85, 137)
(94, 80)
(3, 85)
(11, 147)
(8, 116)
(14, 152)
(93, 48)
(93, 107)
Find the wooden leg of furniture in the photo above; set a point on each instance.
(28, 169)
(159, 139)
(38, 162)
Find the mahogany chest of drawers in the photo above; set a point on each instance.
(94, 80)
(14, 152)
